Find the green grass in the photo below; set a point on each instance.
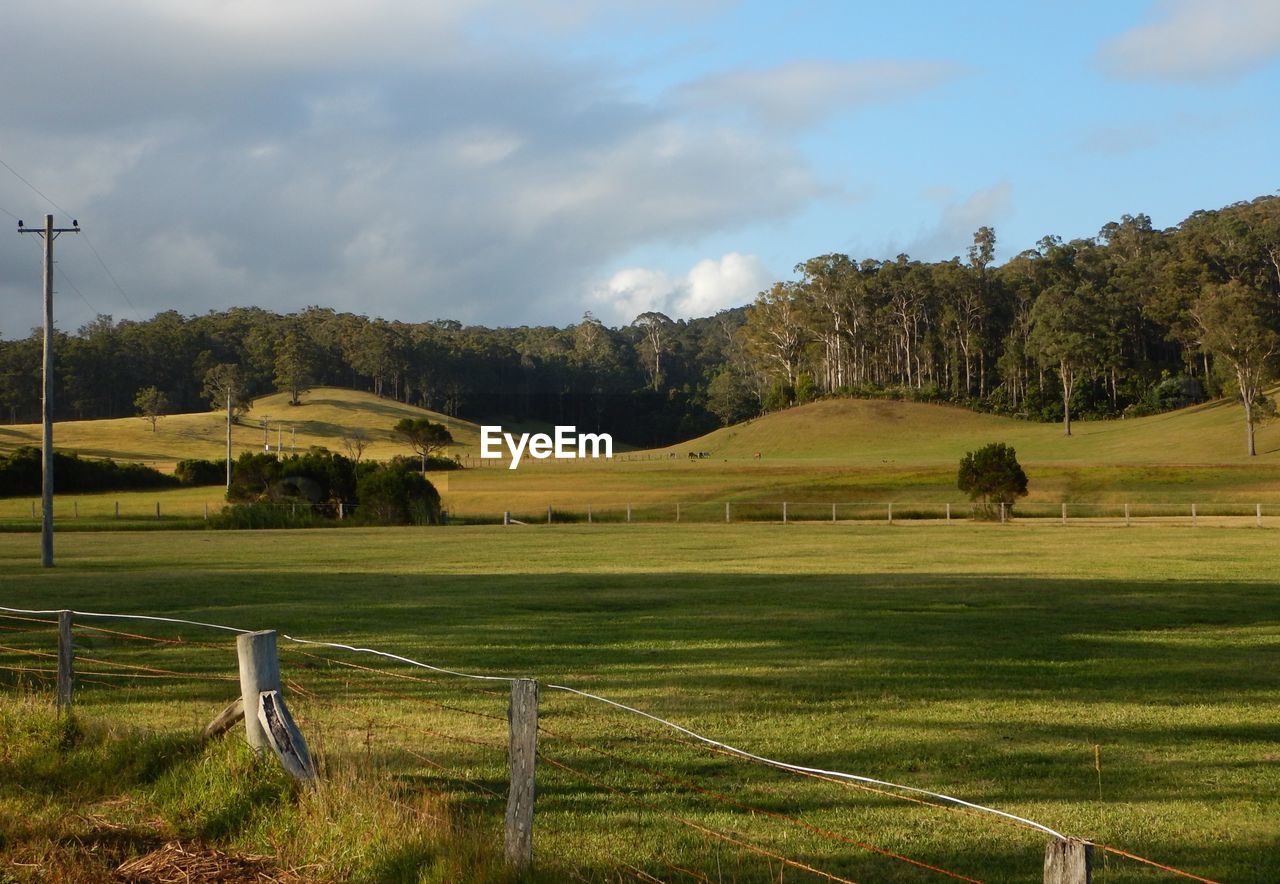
(978, 660)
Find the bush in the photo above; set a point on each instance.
(992, 475)
(390, 496)
(201, 472)
(20, 474)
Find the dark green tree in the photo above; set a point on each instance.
(992, 476)
(424, 436)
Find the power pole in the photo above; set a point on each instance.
(230, 393)
(48, 234)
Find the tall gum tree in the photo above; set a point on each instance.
(1233, 328)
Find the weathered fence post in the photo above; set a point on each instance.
(548, 514)
(75, 509)
(677, 512)
(726, 511)
(890, 514)
(157, 509)
(833, 512)
(522, 748)
(1193, 515)
(1064, 514)
(1126, 515)
(341, 513)
(1004, 513)
(259, 671)
(66, 661)
(506, 517)
(589, 520)
(1068, 861)
(1259, 512)
(628, 511)
(118, 508)
(948, 512)
(267, 722)
(784, 512)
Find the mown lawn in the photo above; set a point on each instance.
(1115, 684)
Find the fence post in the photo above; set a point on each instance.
(1068, 861)
(1064, 514)
(548, 514)
(1259, 512)
(726, 511)
(1126, 515)
(677, 512)
(522, 748)
(341, 515)
(890, 514)
(206, 510)
(1004, 514)
(784, 512)
(833, 512)
(628, 511)
(589, 518)
(66, 661)
(948, 512)
(157, 509)
(1193, 515)
(259, 671)
(118, 508)
(75, 509)
(506, 517)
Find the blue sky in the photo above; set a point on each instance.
(523, 162)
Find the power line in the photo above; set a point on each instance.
(87, 241)
(68, 281)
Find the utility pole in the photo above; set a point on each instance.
(231, 391)
(48, 234)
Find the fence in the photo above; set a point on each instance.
(669, 803)
(887, 512)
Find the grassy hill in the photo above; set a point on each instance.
(326, 413)
(873, 433)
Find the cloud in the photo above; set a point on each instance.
(223, 152)
(711, 285)
(1187, 40)
(953, 233)
(802, 93)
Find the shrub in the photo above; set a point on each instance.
(992, 475)
(201, 472)
(20, 474)
(390, 496)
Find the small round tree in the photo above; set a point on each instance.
(990, 476)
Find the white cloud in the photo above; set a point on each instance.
(953, 233)
(397, 164)
(802, 93)
(1196, 39)
(711, 285)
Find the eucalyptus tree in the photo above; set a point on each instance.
(1234, 328)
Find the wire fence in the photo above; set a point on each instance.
(622, 792)
(96, 513)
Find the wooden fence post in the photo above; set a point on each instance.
(1068, 862)
(66, 662)
(506, 517)
(268, 726)
(726, 511)
(589, 521)
(784, 512)
(833, 512)
(890, 514)
(1126, 515)
(1004, 513)
(75, 509)
(522, 748)
(259, 671)
(157, 509)
(548, 514)
(677, 512)
(118, 509)
(1259, 512)
(628, 511)
(948, 512)
(1193, 515)
(1064, 514)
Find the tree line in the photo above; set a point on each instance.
(1132, 321)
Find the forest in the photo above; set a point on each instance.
(1133, 321)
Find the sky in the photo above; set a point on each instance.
(519, 162)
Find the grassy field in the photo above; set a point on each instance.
(1119, 685)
